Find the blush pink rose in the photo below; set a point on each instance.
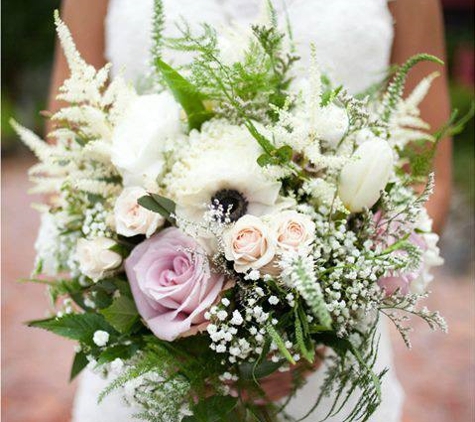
(172, 283)
(293, 230)
(398, 280)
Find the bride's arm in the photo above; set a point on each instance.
(85, 19)
(419, 28)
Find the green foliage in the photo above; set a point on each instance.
(255, 370)
(396, 87)
(80, 327)
(156, 203)
(121, 351)
(350, 369)
(186, 94)
(212, 409)
(158, 25)
(122, 314)
(243, 89)
(79, 363)
(330, 95)
(421, 154)
(271, 155)
(279, 342)
(306, 346)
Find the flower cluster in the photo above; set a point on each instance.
(214, 234)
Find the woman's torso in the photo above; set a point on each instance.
(353, 38)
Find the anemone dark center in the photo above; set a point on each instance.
(232, 202)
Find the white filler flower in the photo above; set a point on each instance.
(101, 338)
(141, 138)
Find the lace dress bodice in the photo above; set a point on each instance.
(353, 40)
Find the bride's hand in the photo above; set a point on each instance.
(279, 384)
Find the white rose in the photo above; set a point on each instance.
(250, 244)
(141, 137)
(364, 177)
(132, 219)
(331, 124)
(95, 257)
(293, 230)
(232, 44)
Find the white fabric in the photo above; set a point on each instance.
(353, 40)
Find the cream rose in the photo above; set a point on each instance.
(250, 244)
(293, 230)
(95, 257)
(130, 218)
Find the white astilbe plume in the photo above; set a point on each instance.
(80, 155)
(41, 149)
(406, 125)
(95, 108)
(85, 83)
(299, 127)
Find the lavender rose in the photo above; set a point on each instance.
(172, 283)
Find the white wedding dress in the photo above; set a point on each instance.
(353, 40)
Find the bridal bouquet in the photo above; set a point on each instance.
(232, 222)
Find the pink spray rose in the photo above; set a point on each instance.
(415, 281)
(172, 283)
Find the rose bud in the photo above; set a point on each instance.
(95, 257)
(130, 218)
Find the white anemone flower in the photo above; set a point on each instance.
(220, 168)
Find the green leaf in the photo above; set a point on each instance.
(122, 314)
(330, 95)
(121, 351)
(251, 371)
(277, 339)
(121, 249)
(307, 353)
(284, 153)
(80, 327)
(79, 363)
(266, 160)
(212, 409)
(266, 145)
(186, 94)
(159, 204)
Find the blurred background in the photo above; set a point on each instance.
(438, 375)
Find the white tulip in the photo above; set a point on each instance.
(95, 257)
(367, 173)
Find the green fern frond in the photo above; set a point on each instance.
(158, 25)
(396, 87)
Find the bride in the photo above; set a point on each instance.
(356, 40)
